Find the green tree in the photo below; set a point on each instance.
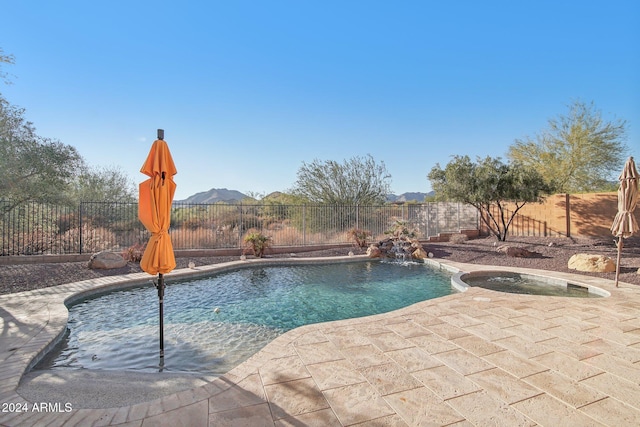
(357, 181)
(33, 168)
(103, 184)
(490, 186)
(578, 152)
(6, 59)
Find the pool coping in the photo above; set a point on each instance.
(33, 320)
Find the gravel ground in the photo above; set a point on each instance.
(554, 254)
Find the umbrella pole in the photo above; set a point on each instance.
(620, 243)
(160, 287)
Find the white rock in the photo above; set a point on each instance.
(592, 263)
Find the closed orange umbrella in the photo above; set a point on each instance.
(154, 211)
(154, 208)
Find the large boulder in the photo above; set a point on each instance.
(106, 260)
(592, 263)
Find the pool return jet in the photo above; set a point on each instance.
(154, 211)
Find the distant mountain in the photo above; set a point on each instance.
(232, 196)
(408, 197)
(215, 195)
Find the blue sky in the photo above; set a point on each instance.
(248, 90)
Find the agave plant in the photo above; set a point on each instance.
(257, 242)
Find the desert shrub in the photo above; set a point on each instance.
(192, 223)
(93, 239)
(237, 218)
(33, 242)
(29, 228)
(326, 238)
(274, 225)
(256, 242)
(134, 253)
(292, 236)
(67, 221)
(286, 236)
(359, 237)
(197, 238)
(458, 238)
(191, 217)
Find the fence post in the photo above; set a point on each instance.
(304, 225)
(429, 204)
(567, 206)
(240, 226)
(80, 228)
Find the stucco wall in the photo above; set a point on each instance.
(591, 215)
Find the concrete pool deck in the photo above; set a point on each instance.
(474, 358)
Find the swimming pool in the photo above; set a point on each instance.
(213, 324)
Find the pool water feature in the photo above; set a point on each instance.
(520, 283)
(213, 324)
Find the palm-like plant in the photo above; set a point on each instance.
(256, 242)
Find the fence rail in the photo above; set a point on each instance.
(34, 228)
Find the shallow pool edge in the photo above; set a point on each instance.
(63, 296)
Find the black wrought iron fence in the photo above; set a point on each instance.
(35, 228)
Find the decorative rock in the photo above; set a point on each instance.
(385, 245)
(397, 248)
(374, 252)
(515, 252)
(106, 260)
(592, 263)
(419, 253)
(415, 243)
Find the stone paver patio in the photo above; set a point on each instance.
(469, 359)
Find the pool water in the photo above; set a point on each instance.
(516, 283)
(213, 324)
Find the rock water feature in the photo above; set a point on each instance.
(399, 248)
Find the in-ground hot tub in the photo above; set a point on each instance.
(522, 283)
